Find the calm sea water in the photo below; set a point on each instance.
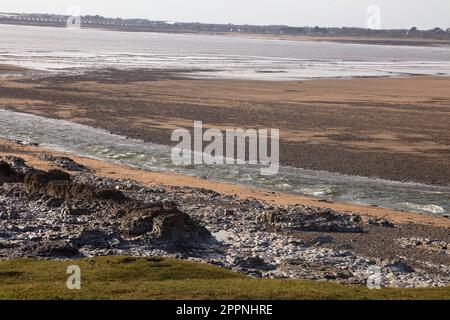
(56, 49)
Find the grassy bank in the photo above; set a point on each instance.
(154, 278)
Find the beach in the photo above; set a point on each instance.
(388, 128)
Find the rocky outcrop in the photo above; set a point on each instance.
(55, 249)
(83, 215)
(37, 181)
(63, 162)
(8, 174)
(160, 221)
(428, 244)
(291, 219)
(57, 184)
(164, 222)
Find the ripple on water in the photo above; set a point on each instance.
(316, 192)
(429, 208)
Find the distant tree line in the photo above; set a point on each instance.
(96, 21)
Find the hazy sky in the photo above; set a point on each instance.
(394, 13)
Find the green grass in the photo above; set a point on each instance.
(154, 278)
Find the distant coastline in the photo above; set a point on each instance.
(397, 37)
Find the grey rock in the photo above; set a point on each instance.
(55, 250)
(321, 240)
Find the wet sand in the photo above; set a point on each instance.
(7, 68)
(347, 39)
(390, 128)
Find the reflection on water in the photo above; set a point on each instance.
(87, 141)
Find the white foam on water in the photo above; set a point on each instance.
(430, 208)
(317, 192)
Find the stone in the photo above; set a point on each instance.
(57, 184)
(401, 267)
(321, 240)
(298, 218)
(54, 202)
(36, 181)
(178, 227)
(8, 214)
(63, 162)
(252, 263)
(111, 194)
(381, 222)
(56, 249)
(57, 189)
(138, 226)
(75, 211)
(229, 212)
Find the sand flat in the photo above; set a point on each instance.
(390, 128)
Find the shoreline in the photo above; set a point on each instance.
(96, 208)
(356, 127)
(150, 178)
(388, 41)
(414, 42)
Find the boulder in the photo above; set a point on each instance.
(110, 194)
(164, 222)
(252, 263)
(5, 169)
(75, 211)
(321, 240)
(36, 181)
(55, 249)
(57, 189)
(55, 202)
(57, 184)
(139, 226)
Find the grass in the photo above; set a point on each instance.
(157, 278)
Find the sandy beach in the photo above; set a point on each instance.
(390, 128)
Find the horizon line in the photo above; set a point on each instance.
(229, 23)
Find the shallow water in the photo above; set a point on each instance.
(87, 141)
(230, 57)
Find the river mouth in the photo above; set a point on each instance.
(82, 140)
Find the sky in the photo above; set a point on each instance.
(424, 14)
